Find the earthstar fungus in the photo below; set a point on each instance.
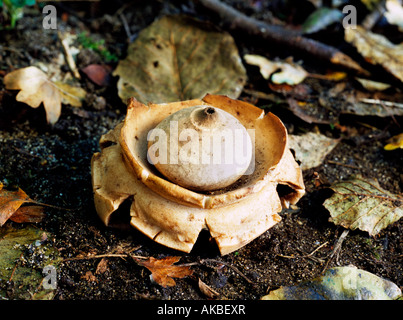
(174, 215)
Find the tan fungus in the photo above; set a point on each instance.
(174, 215)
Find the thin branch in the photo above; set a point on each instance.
(336, 249)
(309, 255)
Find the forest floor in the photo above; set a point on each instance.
(52, 165)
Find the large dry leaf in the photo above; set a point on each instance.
(179, 58)
(163, 271)
(376, 49)
(362, 204)
(10, 207)
(311, 148)
(339, 283)
(36, 88)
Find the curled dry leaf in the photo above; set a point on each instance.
(362, 204)
(174, 215)
(207, 290)
(178, 58)
(377, 49)
(36, 88)
(371, 85)
(280, 72)
(163, 270)
(311, 148)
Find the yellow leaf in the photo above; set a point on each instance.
(395, 142)
(71, 95)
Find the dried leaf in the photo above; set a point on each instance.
(30, 214)
(163, 271)
(102, 266)
(371, 85)
(89, 276)
(362, 204)
(395, 143)
(10, 203)
(311, 148)
(36, 88)
(377, 49)
(207, 290)
(339, 283)
(290, 73)
(179, 58)
(73, 96)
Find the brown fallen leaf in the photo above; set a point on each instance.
(28, 214)
(36, 88)
(102, 266)
(163, 271)
(10, 207)
(377, 49)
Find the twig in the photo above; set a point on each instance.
(309, 255)
(372, 18)
(343, 164)
(106, 255)
(236, 20)
(126, 26)
(229, 266)
(383, 103)
(109, 255)
(15, 267)
(336, 249)
(69, 58)
(12, 50)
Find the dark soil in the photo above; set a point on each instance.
(52, 165)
